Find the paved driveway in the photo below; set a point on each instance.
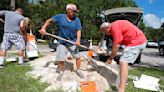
(150, 56)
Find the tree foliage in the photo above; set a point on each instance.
(88, 10)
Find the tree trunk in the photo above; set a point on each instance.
(12, 5)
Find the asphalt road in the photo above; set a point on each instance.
(150, 56)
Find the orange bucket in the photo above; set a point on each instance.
(88, 86)
(30, 37)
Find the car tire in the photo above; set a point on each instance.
(161, 51)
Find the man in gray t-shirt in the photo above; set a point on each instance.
(13, 33)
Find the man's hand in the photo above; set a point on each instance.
(109, 60)
(46, 24)
(42, 31)
(78, 34)
(78, 42)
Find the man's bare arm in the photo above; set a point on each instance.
(22, 27)
(2, 13)
(115, 48)
(46, 24)
(78, 34)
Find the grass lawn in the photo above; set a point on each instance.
(147, 71)
(13, 79)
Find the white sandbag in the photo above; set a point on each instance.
(147, 82)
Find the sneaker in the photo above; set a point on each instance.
(79, 73)
(59, 76)
(1, 66)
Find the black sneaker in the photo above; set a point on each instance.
(59, 76)
(79, 73)
(1, 66)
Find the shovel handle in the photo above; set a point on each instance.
(60, 38)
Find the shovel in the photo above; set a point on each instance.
(60, 38)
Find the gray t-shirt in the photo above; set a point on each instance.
(12, 21)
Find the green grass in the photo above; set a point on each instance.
(13, 79)
(147, 71)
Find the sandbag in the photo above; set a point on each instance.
(31, 47)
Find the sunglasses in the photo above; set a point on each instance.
(73, 11)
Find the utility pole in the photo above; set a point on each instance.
(12, 5)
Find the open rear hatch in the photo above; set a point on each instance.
(132, 14)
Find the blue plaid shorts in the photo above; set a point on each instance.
(13, 38)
